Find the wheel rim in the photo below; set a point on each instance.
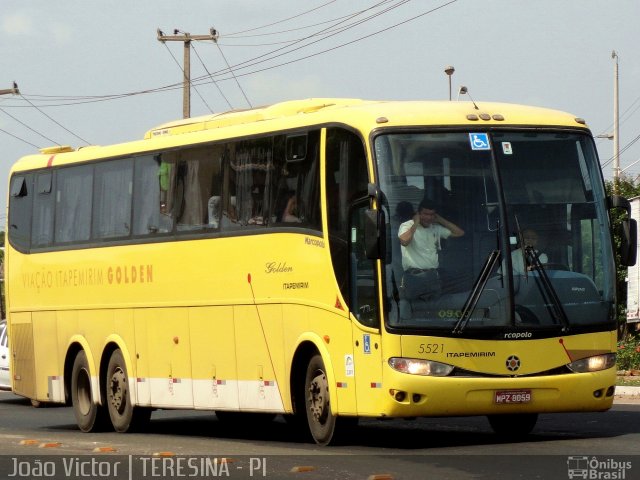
(118, 390)
(83, 391)
(319, 397)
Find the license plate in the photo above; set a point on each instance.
(512, 396)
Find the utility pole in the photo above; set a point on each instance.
(186, 39)
(616, 123)
(11, 91)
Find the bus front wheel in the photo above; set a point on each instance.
(90, 416)
(322, 423)
(514, 425)
(124, 416)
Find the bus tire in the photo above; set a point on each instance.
(513, 425)
(321, 422)
(125, 417)
(90, 416)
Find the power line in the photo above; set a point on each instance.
(28, 127)
(211, 76)
(53, 120)
(76, 100)
(18, 138)
(186, 76)
(234, 75)
(284, 19)
(324, 33)
(72, 100)
(622, 150)
(415, 17)
(280, 32)
(186, 39)
(622, 117)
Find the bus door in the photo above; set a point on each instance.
(346, 190)
(363, 306)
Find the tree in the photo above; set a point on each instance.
(627, 187)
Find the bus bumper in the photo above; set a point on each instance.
(419, 396)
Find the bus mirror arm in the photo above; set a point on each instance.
(617, 201)
(628, 230)
(378, 195)
(377, 238)
(375, 234)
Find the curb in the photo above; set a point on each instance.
(633, 392)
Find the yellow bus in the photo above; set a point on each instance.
(250, 263)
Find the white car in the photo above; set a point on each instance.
(5, 379)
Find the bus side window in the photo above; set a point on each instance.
(74, 186)
(20, 199)
(152, 184)
(297, 201)
(251, 165)
(308, 183)
(43, 205)
(112, 193)
(212, 183)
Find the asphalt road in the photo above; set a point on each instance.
(443, 448)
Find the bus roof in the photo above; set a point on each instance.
(364, 115)
(372, 112)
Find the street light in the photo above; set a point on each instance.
(449, 71)
(608, 136)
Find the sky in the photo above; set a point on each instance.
(81, 65)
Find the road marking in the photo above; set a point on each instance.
(305, 468)
(164, 454)
(104, 450)
(29, 442)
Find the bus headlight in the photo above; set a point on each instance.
(593, 364)
(416, 366)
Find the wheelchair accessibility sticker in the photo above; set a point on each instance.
(479, 141)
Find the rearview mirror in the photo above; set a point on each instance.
(628, 231)
(628, 246)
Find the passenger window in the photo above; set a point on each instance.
(199, 181)
(20, 201)
(73, 204)
(113, 189)
(297, 201)
(250, 177)
(43, 206)
(153, 180)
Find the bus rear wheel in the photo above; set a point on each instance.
(514, 425)
(124, 416)
(90, 416)
(322, 423)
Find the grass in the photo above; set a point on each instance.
(628, 382)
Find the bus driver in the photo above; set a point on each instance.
(420, 243)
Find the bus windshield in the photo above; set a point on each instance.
(495, 232)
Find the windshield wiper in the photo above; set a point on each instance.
(476, 291)
(555, 308)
